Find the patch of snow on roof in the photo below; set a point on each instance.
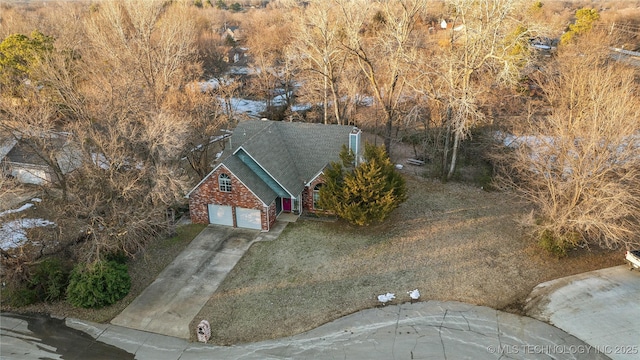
(239, 70)
(13, 234)
(100, 160)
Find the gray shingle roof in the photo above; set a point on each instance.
(250, 179)
(292, 153)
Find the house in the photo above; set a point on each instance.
(270, 168)
(236, 56)
(22, 158)
(231, 32)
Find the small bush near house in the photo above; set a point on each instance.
(98, 285)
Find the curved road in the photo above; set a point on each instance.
(424, 330)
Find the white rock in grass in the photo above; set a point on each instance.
(385, 298)
(414, 294)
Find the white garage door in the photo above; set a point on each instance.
(248, 218)
(220, 215)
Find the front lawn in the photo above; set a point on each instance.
(450, 241)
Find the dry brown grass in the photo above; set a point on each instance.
(451, 241)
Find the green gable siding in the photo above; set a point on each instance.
(259, 171)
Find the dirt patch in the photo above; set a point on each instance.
(451, 241)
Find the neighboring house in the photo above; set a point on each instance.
(233, 32)
(270, 168)
(236, 56)
(20, 159)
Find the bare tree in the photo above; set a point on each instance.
(204, 112)
(381, 41)
(127, 182)
(268, 36)
(150, 40)
(320, 56)
(482, 50)
(580, 165)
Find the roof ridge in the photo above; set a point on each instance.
(288, 149)
(255, 134)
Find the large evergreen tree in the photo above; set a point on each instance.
(365, 193)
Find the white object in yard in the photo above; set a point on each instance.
(399, 166)
(385, 298)
(633, 258)
(414, 294)
(204, 331)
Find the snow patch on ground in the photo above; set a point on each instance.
(13, 234)
(249, 107)
(13, 211)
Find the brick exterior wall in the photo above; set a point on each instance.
(272, 214)
(209, 193)
(307, 194)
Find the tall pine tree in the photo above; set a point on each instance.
(365, 194)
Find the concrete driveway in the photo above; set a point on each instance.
(600, 307)
(168, 305)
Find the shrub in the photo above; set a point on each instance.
(558, 244)
(118, 256)
(45, 281)
(49, 280)
(18, 295)
(585, 19)
(97, 285)
(365, 194)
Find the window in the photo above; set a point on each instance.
(316, 197)
(224, 182)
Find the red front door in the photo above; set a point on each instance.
(286, 205)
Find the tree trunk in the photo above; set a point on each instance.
(325, 97)
(336, 107)
(388, 130)
(445, 152)
(454, 155)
